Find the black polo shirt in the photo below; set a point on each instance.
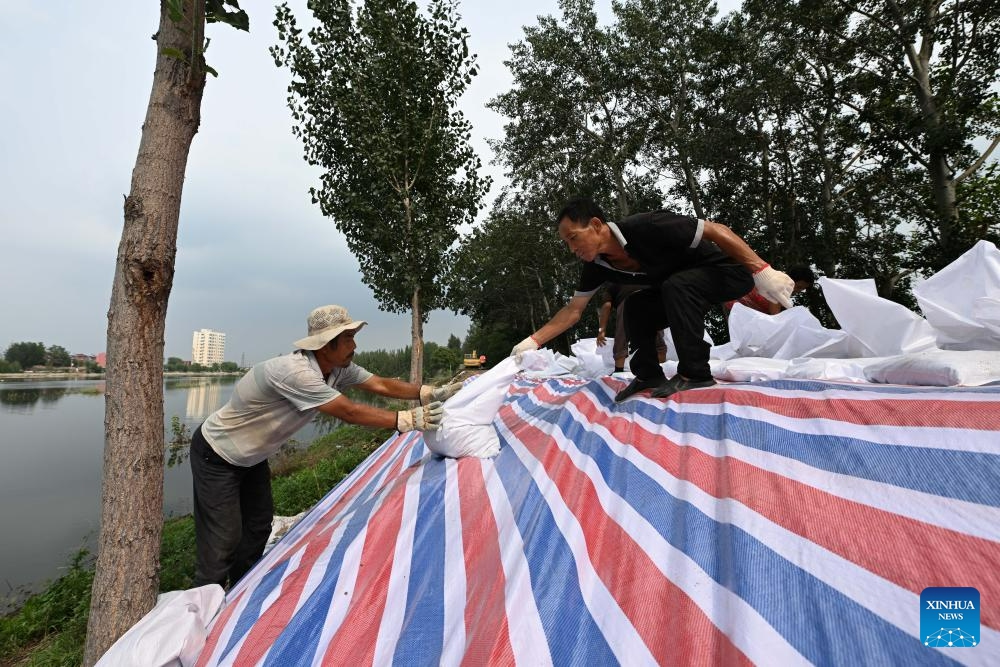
(663, 243)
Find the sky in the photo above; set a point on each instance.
(254, 255)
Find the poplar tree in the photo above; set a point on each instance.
(373, 99)
(126, 579)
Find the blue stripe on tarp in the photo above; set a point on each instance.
(897, 465)
(422, 632)
(300, 637)
(573, 636)
(799, 606)
(970, 476)
(251, 612)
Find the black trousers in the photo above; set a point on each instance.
(681, 302)
(233, 509)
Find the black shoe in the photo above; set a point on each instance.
(677, 383)
(634, 387)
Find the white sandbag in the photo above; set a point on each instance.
(881, 327)
(790, 334)
(938, 368)
(834, 370)
(171, 634)
(749, 369)
(962, 300)
(467, 423)
(594, 361)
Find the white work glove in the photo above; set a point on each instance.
(424, 418)
(429, 393)
(526, 345)
(774, 286)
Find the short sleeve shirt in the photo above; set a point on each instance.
(662, 242)
(271, 402)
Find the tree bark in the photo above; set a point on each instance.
(127, 574)
(417, 343)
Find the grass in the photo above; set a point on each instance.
(50, 627)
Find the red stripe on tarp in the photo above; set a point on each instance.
(911, 553)
(880, 410)
(642, 591)
(273, 622)
(354, 641)
(487, 632)
(221, 622)
(330, 514)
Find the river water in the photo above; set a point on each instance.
(52, 441)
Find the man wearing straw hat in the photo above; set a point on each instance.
(233, 508)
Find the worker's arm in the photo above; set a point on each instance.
(773, 285)
(602, 322)
(423, 418)
(567, 316)
(348, 411)
(391, 387)
(733, 245)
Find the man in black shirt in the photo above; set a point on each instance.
(688, 265)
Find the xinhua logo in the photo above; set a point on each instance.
(949, 617)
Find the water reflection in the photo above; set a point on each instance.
(203, 400)
(24, 399)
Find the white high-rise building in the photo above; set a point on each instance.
(208, 347)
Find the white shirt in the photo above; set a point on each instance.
(271, 402)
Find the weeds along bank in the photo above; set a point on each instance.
(50, 627)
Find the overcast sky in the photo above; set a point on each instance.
(254, 255)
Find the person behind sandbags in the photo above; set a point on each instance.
(233, 507)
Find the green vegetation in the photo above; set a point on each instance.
(49, 629)
(440, 363)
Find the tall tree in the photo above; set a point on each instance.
(930, 74)
(57, 356)
(126, 577)
(26, 354)
(373, 96)
(572, 126)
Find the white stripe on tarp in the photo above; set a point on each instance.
(975, 519)
(743, 625)
(319, 513)
(883, 598)
(399, 576)
(871, 392)
(453, 642)
(926, 437)
(622, 637)
(345, 587)
(527, 636)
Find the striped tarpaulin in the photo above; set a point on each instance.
(779, 523)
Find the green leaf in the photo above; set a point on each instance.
(175, 10)
(211, 70)
(176, 54)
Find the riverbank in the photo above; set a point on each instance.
(49, 628)
(70, 375)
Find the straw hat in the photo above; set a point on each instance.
(326, 323)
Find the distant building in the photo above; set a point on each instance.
(208, 347)
(102, 359)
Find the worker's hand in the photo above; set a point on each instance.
(526, 345)
(774, 286)
(424, 418)
(601, 338)
(430, 393)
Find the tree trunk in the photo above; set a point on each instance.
(127, 575)
(417, 345)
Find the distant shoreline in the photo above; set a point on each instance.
(63, 375)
